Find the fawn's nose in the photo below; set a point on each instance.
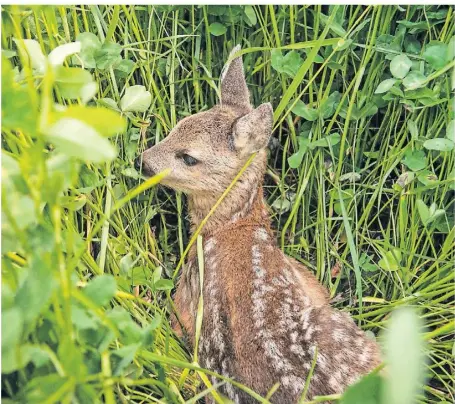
(138, 163)
(141, 165)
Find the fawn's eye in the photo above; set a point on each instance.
(188, 160)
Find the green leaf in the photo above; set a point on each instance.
(89, 45)
(60, 53)
(414, 80)
(139, 276)
(415, 160)
(436, 54)
(217, 29)
(75, 138)
(331, 140)
(329, 106)
(413, 130)
(385, 86)
(428, 178)
(108, 103)
(11, 328)
(300, 109)
(428, 215)
(424, 211)
(366, 391)
(16, 358)
(164, 284)
(35, 292)
(107, 55)
(288, 64)
(390, 260)
(251, 15)
(136, 99)
(295, 160)
(404, 357)
(130, 331)
(366, 263)
(400, 66)
(81, 319)
(18, 110)
(440, 144)
(343, 44)
(106, 122)
(32, 49)
(412, 45)
(124, 67)
(73, 82)
(450, 132)
(122, 357)
(101, 289)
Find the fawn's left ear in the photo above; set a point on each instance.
(252, 132)
(234, 91)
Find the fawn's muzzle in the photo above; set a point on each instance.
(141, 165)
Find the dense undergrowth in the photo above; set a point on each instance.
(360, 180)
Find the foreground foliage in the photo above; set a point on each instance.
(360, 180)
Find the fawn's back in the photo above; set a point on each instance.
(266, 317)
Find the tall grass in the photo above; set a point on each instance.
(361, 188)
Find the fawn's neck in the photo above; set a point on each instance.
(244, 204)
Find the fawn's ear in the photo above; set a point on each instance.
(252, 132)
(234, 91)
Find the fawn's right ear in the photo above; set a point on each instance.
(234, 91)
(252, 132)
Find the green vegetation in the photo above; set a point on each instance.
(360, 180)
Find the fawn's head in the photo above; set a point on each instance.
(205, 151)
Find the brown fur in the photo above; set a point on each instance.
(266, 317)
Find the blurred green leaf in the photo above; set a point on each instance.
(136, 99)
(74, 138)
(404, 358)
(18, 111)
(106, 122)
(11, 328)
(101, 289)
(34, 294)
(32, 49)
(366, 391)
(73, 82)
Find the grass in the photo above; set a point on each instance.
(352, 176)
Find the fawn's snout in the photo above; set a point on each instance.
(143, 167)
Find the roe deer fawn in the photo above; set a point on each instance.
(266, 317)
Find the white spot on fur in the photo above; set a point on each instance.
(261, 234)
(298, 350)
(308, 333)
(209, 245)
(294, 336)
(338, 335)
(271, 349)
